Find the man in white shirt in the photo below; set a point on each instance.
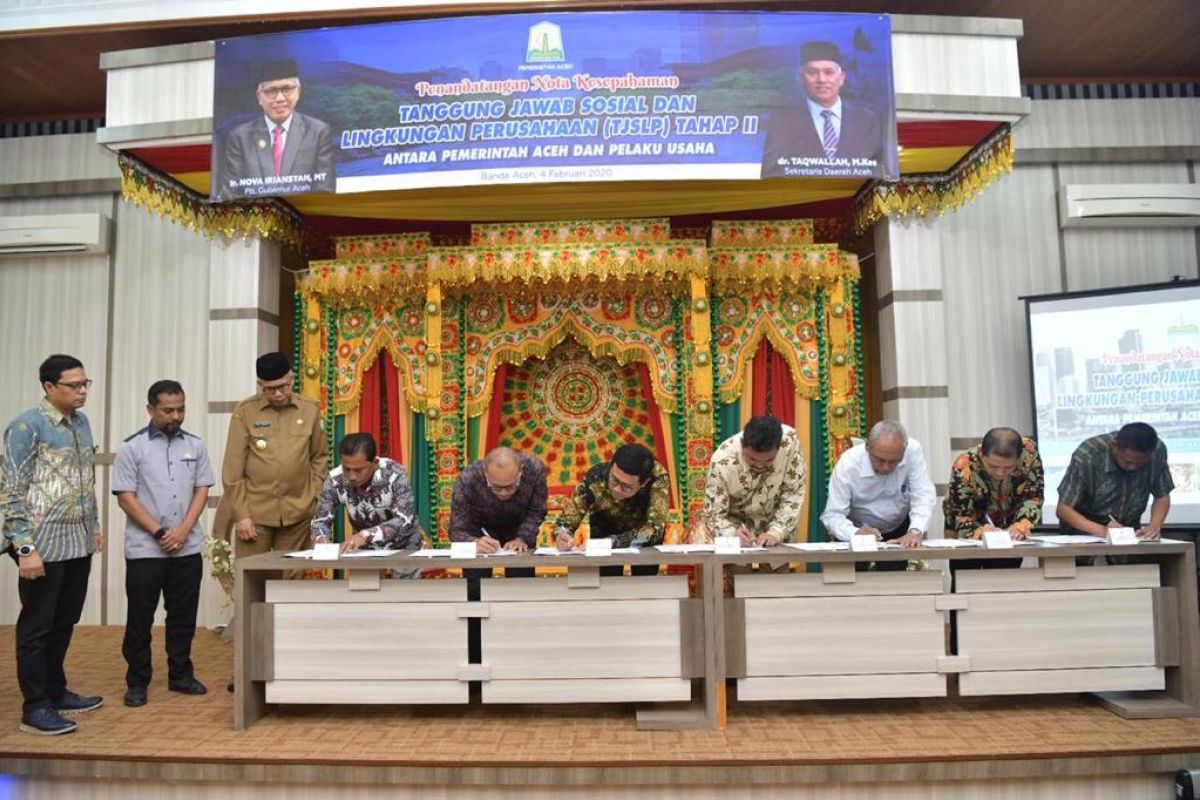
(882, 489)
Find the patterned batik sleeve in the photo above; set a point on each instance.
(958, 508)
(20, 452)
(574, 510)
(716, 501)
(1074, 489)
(1030, 491)
(327, 503)
(400, 530)
(1161, 482)
(791, 500)
(536, 512)
(655, 528)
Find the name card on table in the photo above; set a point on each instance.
(997, 540)
(599, 547)
(728, 545)
(863, 543)
(462, 550)
(326, 552)
(1122, 536)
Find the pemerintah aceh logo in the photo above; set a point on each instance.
(545, 43)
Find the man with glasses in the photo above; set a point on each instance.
(625, 499)
(51, 529)
(280, 151)
(275, 463)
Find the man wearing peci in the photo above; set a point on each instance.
(161, 478)
(625, 499)
(824, 127)
(51, 529)
(280, 151)
(881, 488)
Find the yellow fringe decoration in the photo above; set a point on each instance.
(161, 195)
(761, 233)
(779, 268)
(937, 194)
(391, 245)
(364, 283)
(518, 234)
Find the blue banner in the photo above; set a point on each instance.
(528, 98)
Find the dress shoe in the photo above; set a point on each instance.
(187, 686)
(135, 696)
(71, 703)
(45, 721)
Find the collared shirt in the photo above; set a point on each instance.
(384, 505)
(163, 472)
(765, 503)
(1096, 486)
(48, 490)
(974, 497)
(816, 111)
(859, 497)
(275, 460)
(639, 521)
(473, 507)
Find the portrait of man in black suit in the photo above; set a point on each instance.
(825, 135)
(280, 151)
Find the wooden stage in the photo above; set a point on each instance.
(577, 750)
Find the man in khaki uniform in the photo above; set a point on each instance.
(275, 463)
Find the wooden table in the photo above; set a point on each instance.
(1128, 633)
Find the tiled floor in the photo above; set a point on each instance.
(178, 728)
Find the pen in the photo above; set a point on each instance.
(988, 519)
(1113, 519)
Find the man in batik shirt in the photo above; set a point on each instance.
(376, 494)
(626, 499)
(755, 488)
(996, 485)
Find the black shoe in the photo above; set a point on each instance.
(187, 686)
(229, 687)
(135, 696)
(71, 703)
(45, 721)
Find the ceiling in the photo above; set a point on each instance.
(51, 76)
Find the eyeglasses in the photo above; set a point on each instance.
(75, 386)
(279, 388)
(613, 483)
(503, 487)
(284, 90)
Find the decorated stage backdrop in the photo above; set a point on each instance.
(568, 339)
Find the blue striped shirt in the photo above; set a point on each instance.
(48, 485)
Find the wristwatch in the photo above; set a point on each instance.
(26, 550)
(159, 534)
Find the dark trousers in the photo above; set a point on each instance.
(634, 569)
(50, 607)
(177, 580)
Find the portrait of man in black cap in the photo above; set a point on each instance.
(280, 151)
(814, 138)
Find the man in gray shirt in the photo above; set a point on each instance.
(161, 477)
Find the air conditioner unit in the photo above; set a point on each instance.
(86, 234)
(1132, 205)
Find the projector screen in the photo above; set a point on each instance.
(1102, 359)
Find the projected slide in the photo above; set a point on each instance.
(1103, 360)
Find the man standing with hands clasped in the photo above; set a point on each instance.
(161, 478)
(51, 528)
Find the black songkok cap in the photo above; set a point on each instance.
(278, 70)
(272, 366)
(821, 51)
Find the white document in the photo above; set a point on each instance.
(997, 540)
(500, 552)
(435, 553)
(554, 551)
(1122, 536)
(327, 551)
(728, 545)
(1056, 538)
(300, 554)
(818, 547)
(951, 543)
(864, 543)
(685, 548)
(462, 549)
(598, 547)
(370, 553)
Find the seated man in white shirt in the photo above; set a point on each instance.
(881, 488)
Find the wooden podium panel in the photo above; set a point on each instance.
(620, 640)
(874, 635)
(334, 643)
(1024, 632)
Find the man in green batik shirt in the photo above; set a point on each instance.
(626, 499)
